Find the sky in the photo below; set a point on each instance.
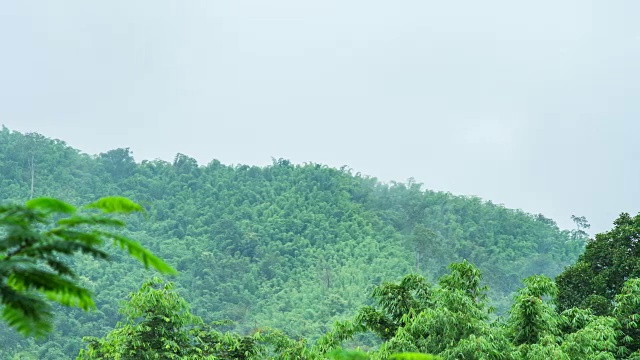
(534, 105)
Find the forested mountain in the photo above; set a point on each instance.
(293, 247)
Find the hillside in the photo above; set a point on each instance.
(294, 247)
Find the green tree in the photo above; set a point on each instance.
(410, 296)
(159, 325)
(37, 240)
(118, 163)
(414, 317)
(600, 272)
(423, 242)
(627, 312)
(531, 317)
(581, 226)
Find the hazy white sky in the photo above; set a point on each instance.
(532, 104)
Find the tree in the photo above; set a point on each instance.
(415, 317)
(157, 326)
(581, 227)
(600, 272)
(410, 296)
(118, 163)
(532, 317)
(422, 241)
(37, 241)
(627, 312)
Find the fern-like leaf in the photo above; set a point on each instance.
(50, 205)
(90, 220)
(27, 313)
(143, 255)
(115, 204)
(56, 288)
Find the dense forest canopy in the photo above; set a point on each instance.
(285, 246)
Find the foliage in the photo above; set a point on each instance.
(159, 325)
(340, 354)
(627, 312)
(600, 272)
(410, 296)
(36, 241)
(292, 247)
(413, 356)
(454, 323)
(531, 317)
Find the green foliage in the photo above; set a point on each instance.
(340, 354)
(454, 323)
(531, 317)
(36, 243)
(410, 296)
(159, 325)
(467, 278)
(50, 205)
(115, 204)
(414, 356)
(603, 279)
(596, 340)
(415, 318)
(293, 247)
(342, 330)
(627, 312)
(607, 262)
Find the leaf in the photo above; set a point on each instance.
(139, 252)
(31, 269)
(28, 314)
(54, 287)
(65, 247)
(90, 220)
(90, 239)
(73, 296)
(50, 205)
(115, 204)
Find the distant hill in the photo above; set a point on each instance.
(290, 246)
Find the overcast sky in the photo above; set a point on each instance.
(534, 104)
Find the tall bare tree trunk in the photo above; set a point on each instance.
(33, 172)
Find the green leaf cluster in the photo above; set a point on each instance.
(37, 241)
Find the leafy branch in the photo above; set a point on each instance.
(35, 239)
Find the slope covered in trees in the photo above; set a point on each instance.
(293, 247)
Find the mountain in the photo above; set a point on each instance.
(289, 246)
